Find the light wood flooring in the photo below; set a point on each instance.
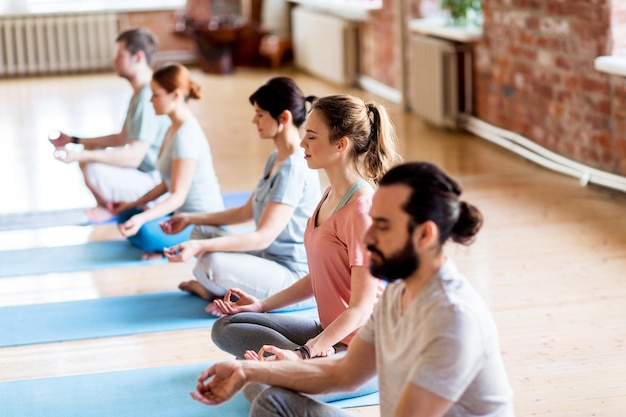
(550, 261)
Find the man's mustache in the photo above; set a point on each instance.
(373, 249)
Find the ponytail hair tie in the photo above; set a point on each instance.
(372, 112)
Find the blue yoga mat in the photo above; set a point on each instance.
(152, 392)
(104, 317)
(86, 256)
(78, 216)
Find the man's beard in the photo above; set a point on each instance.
(399, 265)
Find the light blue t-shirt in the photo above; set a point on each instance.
(143, 124)
(298, 186)
(189, 142)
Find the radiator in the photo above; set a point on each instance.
(324, 45)
(434, 80)
(52, 44)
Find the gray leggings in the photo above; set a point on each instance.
(250, 331)
(285, 403)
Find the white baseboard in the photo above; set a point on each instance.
(542, 156)
(376, 87)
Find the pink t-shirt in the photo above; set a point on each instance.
(332, 249)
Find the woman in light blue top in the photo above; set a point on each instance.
(185, 164)
(272, 257)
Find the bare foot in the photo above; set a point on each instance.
(193, 287)
(99, 214)
(152, 256)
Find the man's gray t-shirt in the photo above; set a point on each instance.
(298, 186)
(189, 142)
(446, 342)
(143, 124)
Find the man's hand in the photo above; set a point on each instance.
(227, 378)
(59, 141)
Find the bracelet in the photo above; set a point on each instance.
(304, 351)
(75, 139)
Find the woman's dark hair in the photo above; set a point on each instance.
(174, 76)
(139, 39)
(280, 94)
(368, 126)
(435, 197)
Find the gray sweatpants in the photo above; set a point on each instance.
(285, 403)
(217, 272)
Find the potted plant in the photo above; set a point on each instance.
(463, 12)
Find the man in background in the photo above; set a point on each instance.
(121, 166)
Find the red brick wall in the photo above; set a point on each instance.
(535, 76)
(380, 57)
(618, 31)
(161, 23)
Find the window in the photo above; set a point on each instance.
(68, 6)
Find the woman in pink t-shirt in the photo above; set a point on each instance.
(355, 144)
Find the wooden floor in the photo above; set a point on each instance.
(550, 261)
